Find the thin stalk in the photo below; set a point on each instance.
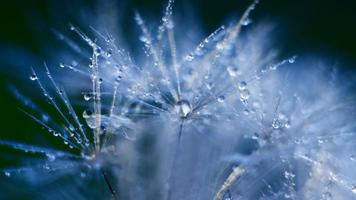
(108, 183)
(175, 157)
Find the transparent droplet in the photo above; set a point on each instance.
(353, 189)
(245, 94)
(170, 24)
(100, 80)
(82, 174)
(61, 65)
(118, 78)
(292, 59)
(51, 157)
(273, 67)
(327, 196)
(108, 54)
(246, 112)
(87, 113)
(353, 157)
(33, 77)
(242, 85)
(8, 174)
(71, 128)
(246, 22)
(209, 85)
(87, 96)
(276, 124)
(233, 71)
(221, 98)
(183, 108)
(189, 57)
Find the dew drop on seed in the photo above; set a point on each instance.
(291, 60)
(71, 128)
(82, 174)
(189, 57)
(8, 174)
(33, 77)
(326, 196)
(118, 78)
(242, 85)
(233, 71)
(246, 22)
(209, 85)
(353, 189)
(87, 113)
(221, 99)
(51, 157)
(276, 124)
(246, 112)
(245, 94)
(87, 96)
(183, 108)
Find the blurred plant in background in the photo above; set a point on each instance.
(227, 119)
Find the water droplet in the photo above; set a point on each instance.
(246, 112)
(291, 60)
(87, 113)
(71, 128)
(233, 71)
(118, 78)
(33, 77)
(220, 46)
(55, 134)
(61, 65)
(287, 124)
(276, 123)
(353, 189)
(100, 80)
(108, 53)
(51, 157)
(82, 174)
(273, 67)
(170, 24)
(189, 57)
(288, 175)
(242, 85)
(87, 96)
(353, 157)
(244, 94)
(246, 22)
(326, 196)
(8, 174)
(221, 98)
(144, 40)
(209, 85)
(183, 108)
